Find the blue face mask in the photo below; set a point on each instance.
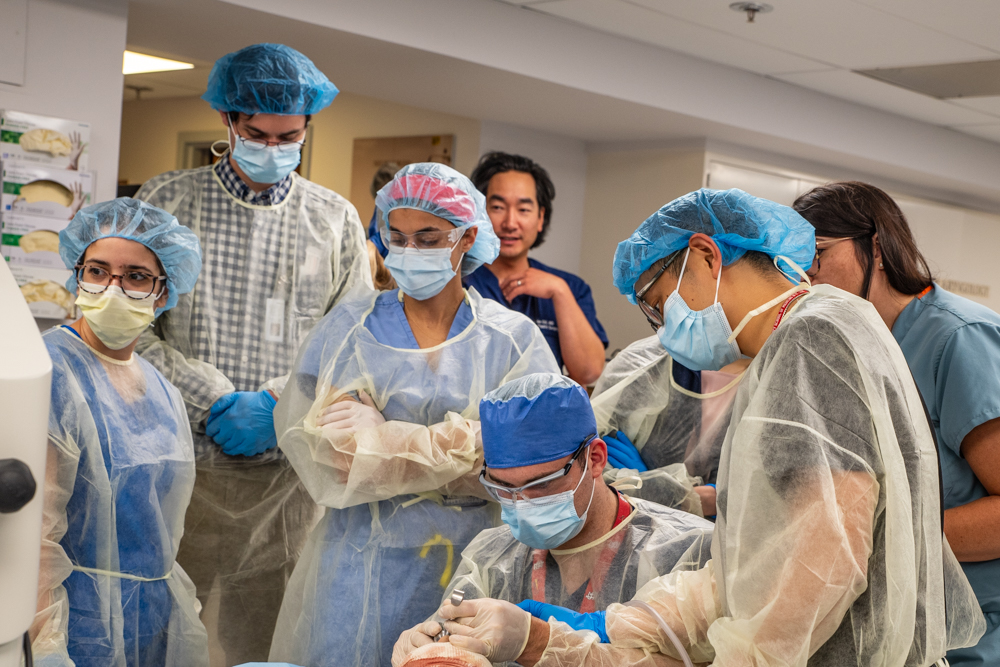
(701, 340)
(549, 521)
(421, 274)
(268, 165)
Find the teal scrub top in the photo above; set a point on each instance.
(952, 346)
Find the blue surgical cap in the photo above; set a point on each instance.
(268, 78)
(441, 191)
(736, 221)
(173, 244)
(536, 418)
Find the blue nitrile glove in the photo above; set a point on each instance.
(622, 453)
(243, 423)
(594, 621)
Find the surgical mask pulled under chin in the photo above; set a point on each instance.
(702, 340)
(549, 521)
(114, 318)
(268, 165)
(421, 274)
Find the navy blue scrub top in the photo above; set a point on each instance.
(952, 346)
(540, 311)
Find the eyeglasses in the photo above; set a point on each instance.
(137, 285)
(258, 145)
(505, 493)
(814, 269)
(653, 316)
(426, 240)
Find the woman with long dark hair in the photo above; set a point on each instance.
(952, 346)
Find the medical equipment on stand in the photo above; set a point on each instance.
(457, 598)
(25, 376)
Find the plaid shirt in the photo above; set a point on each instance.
(303, 251)
(273, 196)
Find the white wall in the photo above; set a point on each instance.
(623, 189)
(566, 161)
(150, 131)
(73, 70)
(959, 244)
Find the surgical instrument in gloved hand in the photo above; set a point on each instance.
(457, 598)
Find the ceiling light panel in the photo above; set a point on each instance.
(846, 33)
(645, 25)
(973, 21)
(970, 79)
(860, 89)
(140, 63)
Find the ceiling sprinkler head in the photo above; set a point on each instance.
(751, 9)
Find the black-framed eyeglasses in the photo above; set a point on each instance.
(507, 493)
(653, 316)
(137, 285)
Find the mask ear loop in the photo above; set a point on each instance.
(683, 266)
(795, 267)
(217, 152)
(718, 281)
(776, 300)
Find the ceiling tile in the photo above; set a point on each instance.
(847, 33)
(645, 25)
(870, 92)
(974, 21)
(991, 131)
(990, 105)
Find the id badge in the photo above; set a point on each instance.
(274, 321)
(313, 260)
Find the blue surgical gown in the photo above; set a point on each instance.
(952, 346)
(378, 565)
(121, 471)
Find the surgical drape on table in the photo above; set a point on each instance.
(404, 498)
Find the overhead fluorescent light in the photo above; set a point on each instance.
(140, 63)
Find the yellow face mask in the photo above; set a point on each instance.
(116, 319)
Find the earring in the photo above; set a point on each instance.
(880, 265)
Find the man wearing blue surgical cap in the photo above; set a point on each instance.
(828, 548)
(569, 540)
(279, 251)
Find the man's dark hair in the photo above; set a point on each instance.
(234, 117)
(496, 162)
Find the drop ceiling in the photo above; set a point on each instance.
(820, 45)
